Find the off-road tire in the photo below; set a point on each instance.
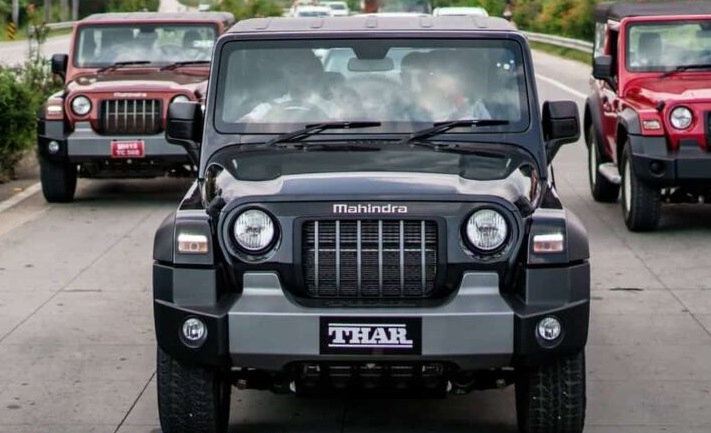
(551, 398)
(59, 181)
(191, 399)
(641, 203)
(602, 190)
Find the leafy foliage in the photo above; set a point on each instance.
(253, 8)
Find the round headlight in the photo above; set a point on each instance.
(81, 105)
(681, 117)
(254, 230)
(487, 230)
(180, 98)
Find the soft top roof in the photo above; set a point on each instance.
(619, 10)
(372, 23)
(115, 17)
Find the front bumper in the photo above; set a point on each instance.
(654, 163)
(85, 145)
(262, 328)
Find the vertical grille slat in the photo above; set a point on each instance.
(369, 258)
(130, 116)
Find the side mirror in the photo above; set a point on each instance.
(59, 65)
(561, 125)
(602, 70)
(185, 122)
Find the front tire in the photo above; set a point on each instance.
(191, 399)
(602, 190)
(59, 181)
(551, 397)
(641, 204)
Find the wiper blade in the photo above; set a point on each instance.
(121, 64)
(682, 68)
(185, 63)
(442, 127)
(310, 130)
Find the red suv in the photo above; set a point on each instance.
(648, 118)
(121, 73)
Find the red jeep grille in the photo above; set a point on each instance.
(130, 116)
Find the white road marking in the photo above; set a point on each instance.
(562, 86)
(19, 197)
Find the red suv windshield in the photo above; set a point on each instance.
(662, 46)
(102, 45)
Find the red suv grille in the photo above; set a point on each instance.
(130, 116)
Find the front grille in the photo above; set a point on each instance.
(130, 116)
(369, 258)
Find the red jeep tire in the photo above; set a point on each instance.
(601, 189)
(641, 204)
(59, 181)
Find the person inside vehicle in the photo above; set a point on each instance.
(649, 50)
(302, 73)
(192, 48)
(117, 45)
(455, 91)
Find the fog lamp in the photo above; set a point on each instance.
(194, 332)
(549, 328)
(53, 147)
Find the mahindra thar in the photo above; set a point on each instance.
(374, 213)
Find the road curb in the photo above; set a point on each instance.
(20, 197)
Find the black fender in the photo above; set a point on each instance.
(164, 240)
(577, 234)
(48, 131)
(628, 125)
(545, 221)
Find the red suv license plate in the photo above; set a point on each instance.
(128, 149)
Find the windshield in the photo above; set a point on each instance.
(104, 45)
(276, 87)
(657, 47)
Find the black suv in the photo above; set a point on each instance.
(374, 213)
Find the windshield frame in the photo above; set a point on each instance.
(449, 39)
(76, 48)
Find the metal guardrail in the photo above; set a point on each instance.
(560, 41)
(54, 26)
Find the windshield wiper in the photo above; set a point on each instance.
(121, 64)
(310, 130)
(682, 68)
(442, 127)
(185, 63)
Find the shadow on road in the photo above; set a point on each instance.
(130, 191)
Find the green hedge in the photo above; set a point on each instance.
(23, 91)
(253, 8)
(571, 18)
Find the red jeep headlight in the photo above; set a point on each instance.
(681, 117)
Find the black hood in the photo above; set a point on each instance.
(372, 186)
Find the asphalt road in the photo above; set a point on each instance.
(77, 350)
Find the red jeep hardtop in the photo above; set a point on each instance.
(648, 117)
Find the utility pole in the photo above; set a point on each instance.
(75, 10)
(64, 8)
(47, 11)
(15, 11)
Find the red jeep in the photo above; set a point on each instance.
(122, 72)
(648, 118)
